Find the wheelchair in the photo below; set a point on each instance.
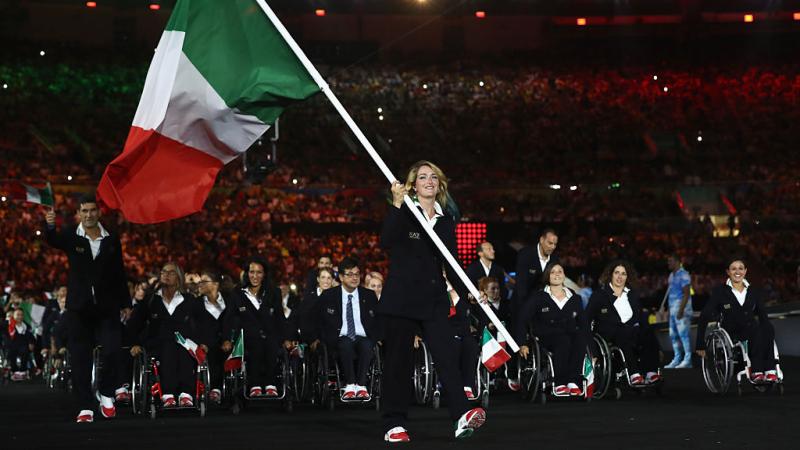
(57, 371)
(303, 372)
(8, 374)
(536, 374)
(428, 389)
(611, 371)
(328, 385)
(726, 359)
(236, 391)
(146, 387)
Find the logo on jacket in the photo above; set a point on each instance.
(331, 311)
(371, 313)
(242, 308)
(546, 309)
(604, 311)
(413, 235)
(727, 306)
(79, 249)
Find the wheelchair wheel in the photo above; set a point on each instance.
(376, 376)
(718, 363)
(436, 401)
(139, 384)
(203, 386)
(152, 411)
(618, 393)
(236, 408)
(97, 367)
(529, 371)
(423, 374)
(322, 391)
(603, 366)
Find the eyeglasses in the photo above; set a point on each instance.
(352, 274)
(169, 272)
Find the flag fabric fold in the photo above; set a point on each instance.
(220, 76)
(41, 195)
(191, 346)
(493, 355)
(588, 375)
(236, 357)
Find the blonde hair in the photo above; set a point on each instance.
(411, 179)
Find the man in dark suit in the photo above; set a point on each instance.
(531, 263)
(97, 294)
(348, 323)
(485, 266)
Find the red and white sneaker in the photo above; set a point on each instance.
(469, 422)
(168, 401)
(85, 416)
(349, 392)
(107, 408)
(397, 434)
(215, 395)
(771, 376)
(362, 393)
(122, 395)
(561, 390)
(185, 400)
(637, 379)
(574, 390)
(514, 385)
(271, 391)
(468, 392)
(758, 377)
(255, 391)
(653, 377)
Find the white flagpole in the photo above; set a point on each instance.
(323, 85)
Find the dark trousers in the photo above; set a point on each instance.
(467, 351)
(176, 368)
(216, 364)
(760, 344)
(351, 351)
(568, 351)
(22, 354)
(85, 331)
(639, 345)
(397, 384)
(261, 357)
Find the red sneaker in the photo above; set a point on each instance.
(348, 395)
(469, 422)
(186, 401)
(215, 395)
(758, 377)
(397, 434)
(255, 391)
(574, 390)
(168, 402)
(361, 393)
(271, 391)
(636, 379)
(123, 397)
(561, 390)
(468, 392)
(771, 377)
(108, 413)
(85, 416)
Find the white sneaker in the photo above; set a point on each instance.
(397, 434)
(674, 363)
(349, 392)
(685, 364)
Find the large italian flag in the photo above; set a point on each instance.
(221, 74)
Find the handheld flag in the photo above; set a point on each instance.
(191, 346)
(236, 357)
(493, 355)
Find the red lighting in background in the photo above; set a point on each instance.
(581, 21)
(320, 13)
(155, 6)
(748, 18)
(91, 4)
(468, 236)
(796, 16)
(480, 14)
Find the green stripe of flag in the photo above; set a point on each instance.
(244, 59)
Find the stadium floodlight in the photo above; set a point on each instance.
(319, 12)
(748, 18)
(581, 21)
(555, 186)
(480, 14)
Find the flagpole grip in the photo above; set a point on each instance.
(323, 85)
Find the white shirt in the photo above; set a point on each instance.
(560, 303)
(623, 305)
(740, 296)
(215, 310)
(319, 291)
(176, 300)
(356, 314)
(438, 213)
(542, 261)
(486, 268)
(253, 299)
(94, 244)
(21, 328)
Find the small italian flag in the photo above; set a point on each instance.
(493, 355)
(191, 346)
(41, 195)
(220, 77)
(588, 375)
(234, 360)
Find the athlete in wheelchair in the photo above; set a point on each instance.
(743, 339)
(170, 370)
(257, 368)
(306, 367)
(555, 350)
(18, 346)
(624, 344)
(349, 331)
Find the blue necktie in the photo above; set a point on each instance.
(351, 321)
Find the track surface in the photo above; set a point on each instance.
(686, 416)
